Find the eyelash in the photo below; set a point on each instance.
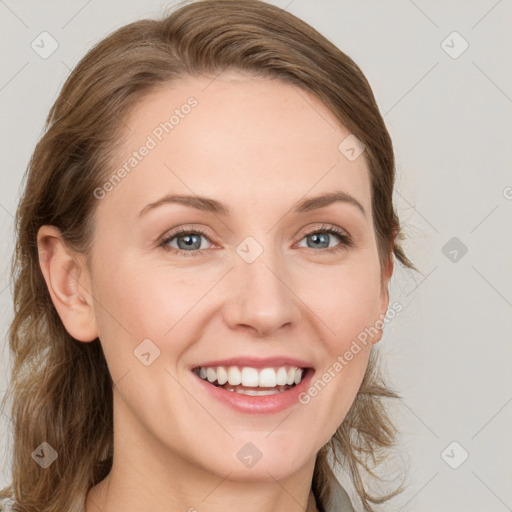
(346, 241)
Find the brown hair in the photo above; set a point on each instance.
(61, 388)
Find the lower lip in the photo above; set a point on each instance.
(267, 404)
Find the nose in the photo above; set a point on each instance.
(261, 298)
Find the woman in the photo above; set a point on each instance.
(205, 243)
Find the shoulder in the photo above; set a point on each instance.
(339, 501)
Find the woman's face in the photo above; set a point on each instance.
(254, 282)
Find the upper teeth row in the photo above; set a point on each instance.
(263, 377)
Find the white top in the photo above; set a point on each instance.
(340, 501)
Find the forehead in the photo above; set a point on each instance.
(240, 139)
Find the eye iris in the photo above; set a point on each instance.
(190, 242)
(321, 238)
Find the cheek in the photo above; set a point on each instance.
(129, 310)
(349, 304)
(349, 308)
(135, 303)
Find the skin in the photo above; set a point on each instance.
(258, 146)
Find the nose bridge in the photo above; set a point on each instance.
(261, 296)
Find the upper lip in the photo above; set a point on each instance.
(256, 362)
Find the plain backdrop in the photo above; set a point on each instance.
(441, 73)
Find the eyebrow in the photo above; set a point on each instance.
(213, 206)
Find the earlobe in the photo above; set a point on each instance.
(66, 280)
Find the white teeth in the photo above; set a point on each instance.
(255, 392)
(263, 392)
(249, 377)
(222, 375)
(281, 376)
(252, 377)
(268, 378)
(234, 376)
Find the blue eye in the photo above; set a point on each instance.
(189, 241)
(322, 236)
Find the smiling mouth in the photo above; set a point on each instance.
(252, 381)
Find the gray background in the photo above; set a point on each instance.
(448, 352)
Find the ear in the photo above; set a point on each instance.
(384, 295)
(68, 283)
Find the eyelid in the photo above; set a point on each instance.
(323, 227)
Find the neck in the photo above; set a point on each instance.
(107, 497)
(146, 475)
